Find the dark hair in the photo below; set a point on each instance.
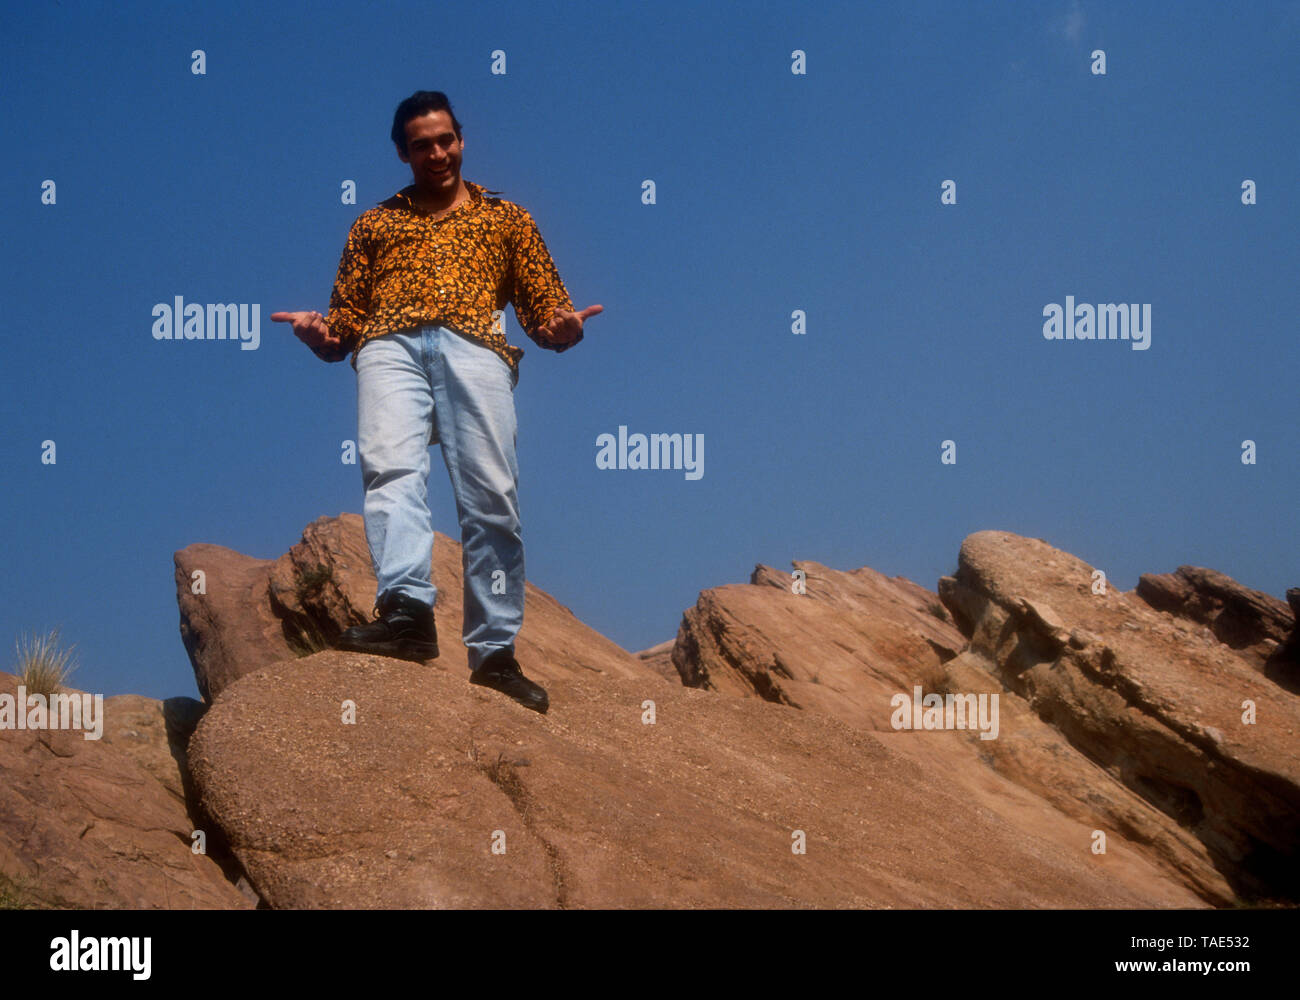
(420, 103)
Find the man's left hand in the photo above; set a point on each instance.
(565, 326)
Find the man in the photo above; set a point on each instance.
(419, 302)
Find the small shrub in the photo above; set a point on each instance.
(43, 668)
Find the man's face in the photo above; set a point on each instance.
(431, 144)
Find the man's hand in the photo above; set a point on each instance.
(310, 328)
(564, 326)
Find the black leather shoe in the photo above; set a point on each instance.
(403, 627)
(501, 672)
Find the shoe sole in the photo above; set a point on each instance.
(536, 706)
(414, 652)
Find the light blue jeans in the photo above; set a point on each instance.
(427, 386)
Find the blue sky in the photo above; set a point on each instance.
(776, 192)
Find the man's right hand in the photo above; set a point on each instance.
(311, 329)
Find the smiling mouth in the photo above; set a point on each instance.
(442, 171)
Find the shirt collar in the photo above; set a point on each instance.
(475, 194)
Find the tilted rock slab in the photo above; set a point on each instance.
(1159, 704)
(852, 641)
(844, 646)
(102, 824)
(597, 804)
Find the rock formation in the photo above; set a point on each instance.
(1113, 716)
(103, 824)
(1142, 749)
(445, 795)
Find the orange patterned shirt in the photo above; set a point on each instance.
(400, 271)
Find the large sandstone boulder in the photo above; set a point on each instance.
(595, 805)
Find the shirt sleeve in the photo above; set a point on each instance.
(350, 300)
(535, 286)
